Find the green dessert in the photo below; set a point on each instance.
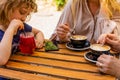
(50, 46)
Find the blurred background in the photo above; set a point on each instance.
(47, 16)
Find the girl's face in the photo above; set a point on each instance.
(20, 13)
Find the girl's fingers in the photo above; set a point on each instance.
(21, 27)
(39, 45)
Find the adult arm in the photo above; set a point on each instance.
(109, 64)
(66, 17)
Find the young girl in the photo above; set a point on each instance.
(13, 14)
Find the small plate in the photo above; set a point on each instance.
(70, 46)
(91, 57)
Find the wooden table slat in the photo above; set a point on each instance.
(70, 52)
(65, 51)
(63, 64)
(58, 72)
(24, 76)
(60, 57)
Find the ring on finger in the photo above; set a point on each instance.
(100, 64)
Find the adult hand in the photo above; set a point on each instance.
(109, 64)
(102, 39)
(16, 24)
(62, 31)
(113, 41)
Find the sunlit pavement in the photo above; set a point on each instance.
(45, 20)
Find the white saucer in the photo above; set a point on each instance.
(87, 57)
(70, 46)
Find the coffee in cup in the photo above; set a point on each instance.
(99, 49)
(78, 40)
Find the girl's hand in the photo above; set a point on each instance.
(16, 24)
(39, 38)
(62, 31)
(39, 44)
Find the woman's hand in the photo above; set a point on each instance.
(113, 41)
(62, 31)
(109, 64)
(110, 39)
(16, 24)
(102, 39)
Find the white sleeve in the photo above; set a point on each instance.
(109, 26)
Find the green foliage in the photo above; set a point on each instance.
(60, 4)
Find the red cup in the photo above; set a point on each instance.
(27, 43)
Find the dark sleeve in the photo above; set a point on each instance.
(1, 34)
(27, 28)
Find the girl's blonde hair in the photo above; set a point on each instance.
(8, 6)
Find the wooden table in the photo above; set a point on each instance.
(64, 64)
